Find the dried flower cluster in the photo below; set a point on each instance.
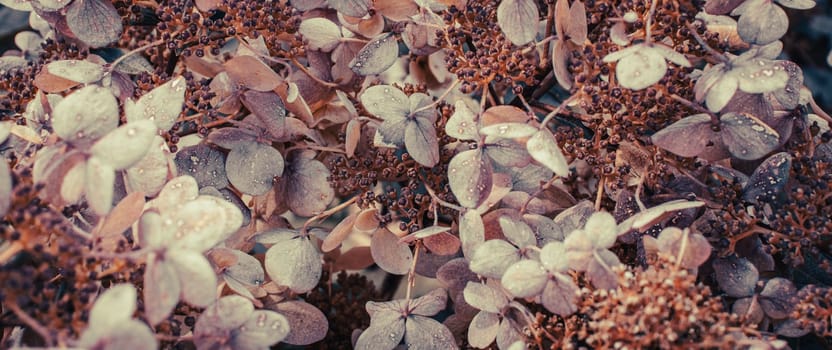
(512, 174)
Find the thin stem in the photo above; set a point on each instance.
(280, 61)
(484, 97)
(537, 193)
(313, 76)
(696, 107)
(600, 193)
(683, 247)
(32, 323)
(135, 51)
(556, 111)
(550, 27)
(526, 104)
(328, 213)
(352, 40)
(648, 27)
(324, 149)
(221, 121)
(819, 111)
(705, 45)
(131, 255)
(440, 201)
(11, 251)
(438, 100)
(411, 275)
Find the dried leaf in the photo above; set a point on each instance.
(797, 4)
(518, 20)
(600, 271)
(127, 212)
(321, 33)
(252, 167)
(776, 298)
(307, 189)
(768, 182)
(639, 66)
(352, 8)
(87, 114)
(81, 71)
(162, 105)
(197, 277)
(357, 258)
(462, 124)
(377, 56)
(688, 137)
(386, 330)
(126, 145)
(150, 173)
(493, 258)
(544, 149)
(747, 137)
(761, 22)
(483, 329)
(389, 254)
(696, 251)
(269, 109)
(339, 233)
(423, 333)
(509, 130)
(307, 324)
(470, 176)
(204, 163)
(471, 232)
(576, 29)
(525, 279)
(553, 257)
(129, 334)
(294, 263)
(485, 297)
(100, 179)
(263, 329)
(252, 73)
(161, 290)
(429, 304)
(737, 277)
(749, 309)
(352, 136)
(117, 304)
(95, 22)
(420, 140)
(517, 231)
(560, 296)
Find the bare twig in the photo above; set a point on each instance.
(32, 323)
